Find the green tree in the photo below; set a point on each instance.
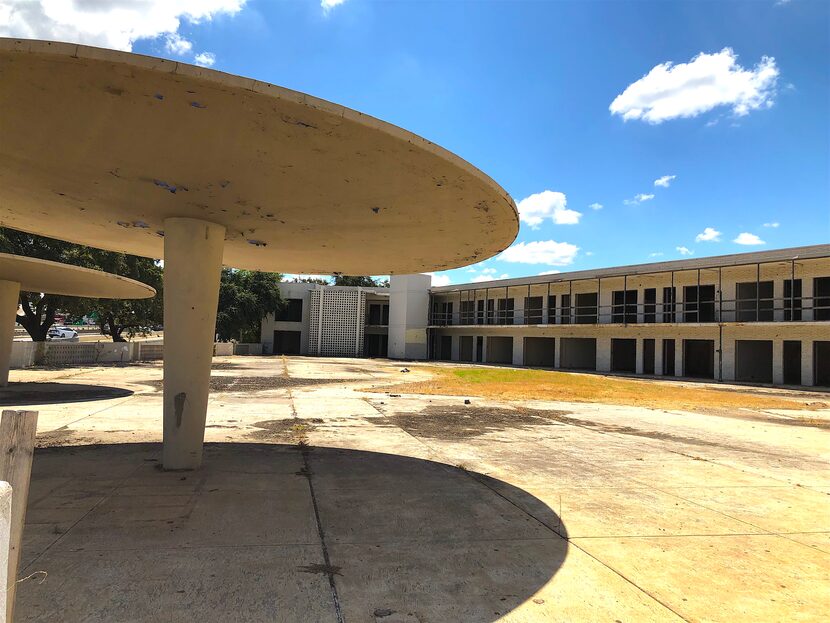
(115, 316)
(245, 297)
(317, 280)
(39, 310)
(363, 281)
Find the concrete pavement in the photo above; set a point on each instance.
(320, 501)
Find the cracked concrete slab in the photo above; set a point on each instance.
(319, 499)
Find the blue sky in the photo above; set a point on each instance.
(524, 91)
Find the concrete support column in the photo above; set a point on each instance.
(728, 353)
(518, 350)
(484, 349)
(778, 300)
(807, 377)
(605, 301)
(9, 297)
(678, 358)
(455, 347)
(807, 304)
(778, 362)
(729, 311)
(641, 309)
(603, 354)
(192, 268)
(658, 357)
(638, 366)
(557, 352)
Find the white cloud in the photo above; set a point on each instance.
(328, 5)
(664, 181)
(205, 59)
(541, 252)
(639, 198)
(773, 224)
(550, 272)
(589, 253)
(709, 234)
(115, 24)
(596, 206)
(176, 44)
(440, 280)
(747, 238)
(482, 273)
(534, 209)
(684, 251)
(671, 91)
(656, 254)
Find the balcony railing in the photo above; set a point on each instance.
(782, 309)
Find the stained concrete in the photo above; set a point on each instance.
(319, 500)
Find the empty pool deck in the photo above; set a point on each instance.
(322, 501)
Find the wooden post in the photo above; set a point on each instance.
(5, 528)
(17, 442)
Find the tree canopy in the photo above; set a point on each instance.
(245, 297)
(133, 316)
(363, 281)
(114, 316)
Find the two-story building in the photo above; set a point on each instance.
(756, 317)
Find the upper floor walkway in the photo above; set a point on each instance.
(787, 285)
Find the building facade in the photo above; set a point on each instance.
(328, 321)
(756, 317)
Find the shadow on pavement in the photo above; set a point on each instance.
(35, 393)
(280, 533)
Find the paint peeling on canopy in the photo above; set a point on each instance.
(96, 142)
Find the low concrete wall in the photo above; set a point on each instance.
(246, 349)
(222, 349)
(57, 354)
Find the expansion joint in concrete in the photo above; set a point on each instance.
(328, 569)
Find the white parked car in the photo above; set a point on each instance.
(62, 334)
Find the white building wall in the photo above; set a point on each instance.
(269, 324)
(408, 316)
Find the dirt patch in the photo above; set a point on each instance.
(229, 365)
(452, 422)
(254, 383)
(62, 436)
(290, 430)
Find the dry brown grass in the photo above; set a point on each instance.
(512, 384)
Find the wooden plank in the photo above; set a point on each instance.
(17, 442)
(5, 525)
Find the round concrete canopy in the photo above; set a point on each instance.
(35, 275)
(100, 146)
